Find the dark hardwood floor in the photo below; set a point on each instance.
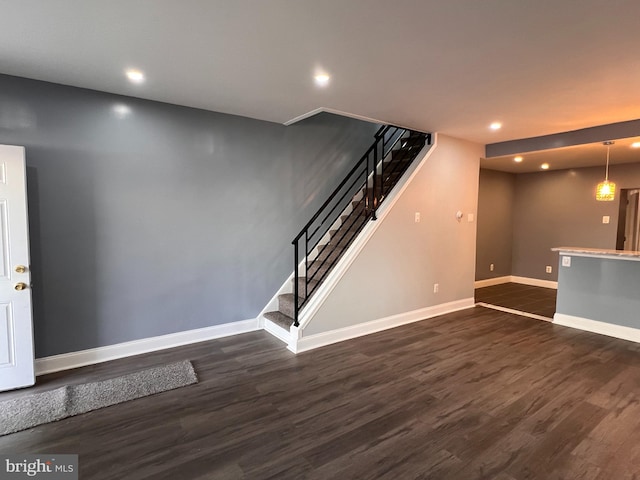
(524, 298)
(469, 395)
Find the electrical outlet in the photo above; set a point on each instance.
(566, 261)
(549, 269)
(606, 219)
(436, 287)
(491, 267)
(417, 217)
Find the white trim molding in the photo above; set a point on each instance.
(334, 336)
(490, 282)
(71, 360)
(515, 312)
(534, 282)
(276, 330)
(596, 326)
(342, 113)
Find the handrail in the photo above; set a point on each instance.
(370, 180)
(333, 194)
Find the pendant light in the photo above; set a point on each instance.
(606, 191)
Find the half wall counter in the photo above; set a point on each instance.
(599, 291)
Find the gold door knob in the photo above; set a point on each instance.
(21, 269)
(20, 286)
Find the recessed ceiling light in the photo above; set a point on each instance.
(322, 79)
(517, 159)
(635, 145)
(495, 126)
(135, 76)
(544, 166)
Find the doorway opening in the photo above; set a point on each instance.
(629, 220)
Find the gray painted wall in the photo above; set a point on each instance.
(600, 289)
(163, 219)
(565, 139)
(496, 197)
(558, 208)
(410, 257)
(547, 209)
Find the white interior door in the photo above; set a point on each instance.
(16, 326)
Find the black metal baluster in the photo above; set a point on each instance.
(296, 307)
(320, 224)
(306, 266)
(374, 187)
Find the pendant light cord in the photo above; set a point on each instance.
(606, 175)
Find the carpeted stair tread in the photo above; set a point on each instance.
(279, 319)
(301, 286)
(324, 263)
(359, 210)
(349, 227)
(285, 304)
(341, 241)
(318, 272)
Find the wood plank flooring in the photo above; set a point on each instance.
(476, 394)
(524, 298)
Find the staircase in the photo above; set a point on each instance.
(330, 232)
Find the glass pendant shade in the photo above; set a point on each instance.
(606, 191)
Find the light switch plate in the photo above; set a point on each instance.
(566, 261)
(605, 219)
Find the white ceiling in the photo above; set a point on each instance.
(451, 66)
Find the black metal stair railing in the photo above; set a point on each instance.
(365, 186)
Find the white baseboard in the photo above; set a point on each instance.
(277, 331)
(534, 282)
(71, 360)
(327, 338)
(515, 312)
(595, 326)
(490, 282)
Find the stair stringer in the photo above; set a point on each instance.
(352, 252)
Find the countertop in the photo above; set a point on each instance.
(599, 252)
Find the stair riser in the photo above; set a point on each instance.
(348, 219)
(279, 319)
(285, 305)
(326, 260)
(340, 235)
(301, 286)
